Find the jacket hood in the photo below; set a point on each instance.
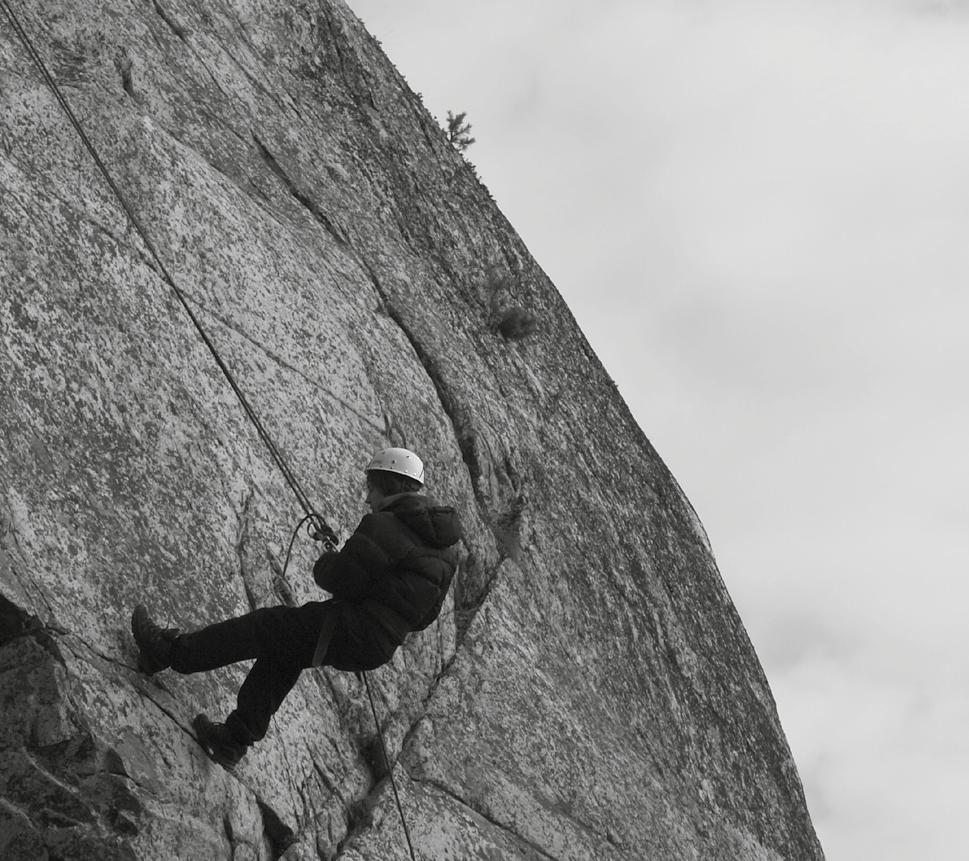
(437, 526)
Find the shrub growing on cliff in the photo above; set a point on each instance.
(507, 317)
(459, 131)
(517, 323)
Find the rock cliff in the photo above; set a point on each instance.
(589, 691)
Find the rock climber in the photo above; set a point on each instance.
(390, 578)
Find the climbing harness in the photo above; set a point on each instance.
(320, 531)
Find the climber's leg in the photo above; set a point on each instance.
(286, 635)
(261, 694)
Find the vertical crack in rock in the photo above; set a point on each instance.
(456, 412)
(472, 589)
(278, 833)
(73, 642)
(302, 197)
(144, 689)
(516, 836)
(242, 548)
(352, 74)
(123, 63)
(173, 25)
(229, 832)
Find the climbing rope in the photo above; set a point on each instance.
(389, 765)
(322, 530)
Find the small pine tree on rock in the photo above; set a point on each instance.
(459, 131)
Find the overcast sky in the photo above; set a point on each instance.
(759, 214)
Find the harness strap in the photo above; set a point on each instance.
(326, 634)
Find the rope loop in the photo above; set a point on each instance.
(318, 530)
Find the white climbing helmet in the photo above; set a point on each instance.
(400, 461)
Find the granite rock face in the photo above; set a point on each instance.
(589, 691)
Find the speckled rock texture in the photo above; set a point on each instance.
(589, 691)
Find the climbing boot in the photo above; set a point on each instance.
(218, 742)
(154, 643)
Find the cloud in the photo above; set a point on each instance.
(883, 763)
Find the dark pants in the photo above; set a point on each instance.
(281, 639)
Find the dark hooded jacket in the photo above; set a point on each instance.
(390, 578)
